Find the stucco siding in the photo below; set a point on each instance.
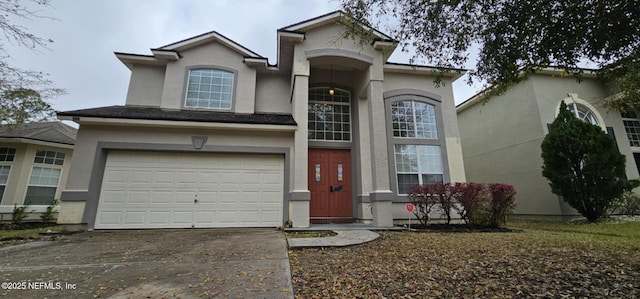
(210, 55)
(145, 86)
(501, 144)
(273, 94)
(18, 181)
(551, 90)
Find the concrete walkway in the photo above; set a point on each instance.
(343, 238)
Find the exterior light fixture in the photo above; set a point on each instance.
(331, 90)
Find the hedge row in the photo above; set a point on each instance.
(476, 203)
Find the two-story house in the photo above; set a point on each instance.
(213, 135)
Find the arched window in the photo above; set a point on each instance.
(329, 115)
(416, 141)
(583, 113)
(413, 119)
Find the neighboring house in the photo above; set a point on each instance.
(501, 137)
(212, 135)
(34, 163)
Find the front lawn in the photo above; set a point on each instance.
(14, 236)
(544, 260)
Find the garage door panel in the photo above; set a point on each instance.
(157, 190)
(161, 197)
(138, 197)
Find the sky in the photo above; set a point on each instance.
(86, 33)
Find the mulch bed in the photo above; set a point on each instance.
(459, 228)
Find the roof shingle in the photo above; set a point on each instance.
(155, 113)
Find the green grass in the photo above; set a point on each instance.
(605, 233)
(24, 233)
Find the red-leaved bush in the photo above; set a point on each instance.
(502, 202)
(421, 196)
(477, 204)
(470, 198)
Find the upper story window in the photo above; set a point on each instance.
(413, 119)
(583, 113)
(632, 128)
(7, 154)
(329, 115)
(209, 88)
(49, 157)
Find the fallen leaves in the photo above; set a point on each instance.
(468, 265)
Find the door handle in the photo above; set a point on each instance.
(330, 188)
(195, 200)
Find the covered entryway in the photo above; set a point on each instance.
(330, 185)
(143, 189)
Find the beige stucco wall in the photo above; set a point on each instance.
(551, 90)
(501, 144)
(16, 188)
(210, 55)
(501, 139)
(145, 85)
(273, 93)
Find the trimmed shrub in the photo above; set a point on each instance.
(502, 202)
(471, 197)
(629, 204)
(421, 196)
(478, 204)
(445, 196)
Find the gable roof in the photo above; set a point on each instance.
(55, 132)
(547, 70)
(330, 18)
(171, 52)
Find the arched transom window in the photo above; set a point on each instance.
(583, 113)
(329, 115)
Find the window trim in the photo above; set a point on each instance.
(574, 99)
(624, 118)
(352, 121)
(43, 166)
(8, 164)
(185, 87)
(418, 96)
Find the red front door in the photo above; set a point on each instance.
(330, 185)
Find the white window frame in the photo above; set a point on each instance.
(5, 184)
(419, 161)
(312, 133)
(45, 165)
(6, 163)
(414, 121)
(631, 119)
(224, 90)
(29, 184)
(589, 116)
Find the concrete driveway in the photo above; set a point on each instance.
(192, 263)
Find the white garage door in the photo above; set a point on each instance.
(178, 190)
